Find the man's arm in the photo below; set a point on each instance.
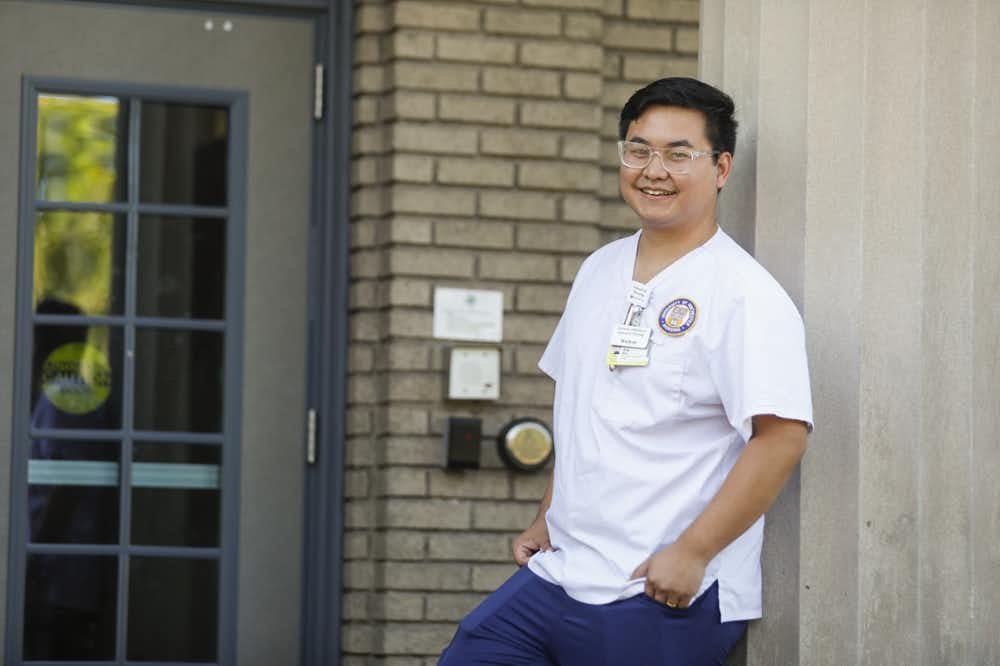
(536, 537)
(674, 574)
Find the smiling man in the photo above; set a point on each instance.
(681, 407)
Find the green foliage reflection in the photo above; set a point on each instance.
(74, 259)
(78, 159)
(78, 148)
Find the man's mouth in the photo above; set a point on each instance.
(657, 193)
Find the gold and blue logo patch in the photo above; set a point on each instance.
(678, 316)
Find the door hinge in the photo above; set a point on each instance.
(311, 436)
(318, 91)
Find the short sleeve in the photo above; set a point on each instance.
(759, 365)
(553, 358)
(551, 362)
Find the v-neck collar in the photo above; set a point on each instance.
(632, 253)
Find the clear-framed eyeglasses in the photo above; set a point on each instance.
(636, 155)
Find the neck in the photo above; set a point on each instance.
(658, 248)
(683, 239)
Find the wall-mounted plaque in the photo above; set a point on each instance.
(468, 314)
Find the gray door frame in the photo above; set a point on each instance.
(329, 277)
(322, 550)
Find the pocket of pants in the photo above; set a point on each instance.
(493, 603)
(711, 594)
(676, 612)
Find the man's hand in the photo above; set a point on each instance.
(531, 540)
(673, 575)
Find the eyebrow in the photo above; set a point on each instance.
(672, 144)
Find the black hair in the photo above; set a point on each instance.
(687, 93)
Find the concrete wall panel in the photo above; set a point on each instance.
(900, 255)
(890, 316)
(779, 237)
(734, 52)
(834, 288)
(985, 491)
(946, 413)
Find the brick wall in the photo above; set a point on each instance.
(483, 157)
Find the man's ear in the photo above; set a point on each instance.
(723, 167)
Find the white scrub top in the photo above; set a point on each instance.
(641, 451)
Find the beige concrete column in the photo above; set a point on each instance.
(984, 416)
(866, 184)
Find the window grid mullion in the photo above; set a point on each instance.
(119, 663)
(220, 213)
(128, 380)
(196, 438)
(14, 647)
(177, 323)
(113, 208)
(192, 552)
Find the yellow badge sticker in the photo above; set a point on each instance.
(76, 378)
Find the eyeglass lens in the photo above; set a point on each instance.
(638, 156)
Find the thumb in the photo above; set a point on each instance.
(640, 570)
(524, 550)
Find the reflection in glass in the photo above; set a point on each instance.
(172, 609)
(79, 261)
(183, 154)
(76, 378)
(69, 607)
(182, 267)
(73, 491)
(178, 380)
(175, 494)
(81, 150)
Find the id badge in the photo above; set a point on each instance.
(627, 356)
(638, 295)
(633, 337)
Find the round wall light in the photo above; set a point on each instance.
(525, 444)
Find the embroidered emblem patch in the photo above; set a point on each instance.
(678, 316)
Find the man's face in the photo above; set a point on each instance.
(670, 201)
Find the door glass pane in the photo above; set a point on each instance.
(183, 151)
(73, 491)
(175, 494)
(69, 607)
(79, 263)
(172, 609)
(76, 377)
(178, 380)
(182, 267)
(82, 146)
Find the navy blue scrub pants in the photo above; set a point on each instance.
(531, 622)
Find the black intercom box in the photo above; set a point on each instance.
(462, 438)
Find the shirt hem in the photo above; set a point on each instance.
(740, 615)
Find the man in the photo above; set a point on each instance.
(681, 407)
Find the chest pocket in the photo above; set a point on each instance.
(646, 396)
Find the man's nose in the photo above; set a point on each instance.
(657, 167)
